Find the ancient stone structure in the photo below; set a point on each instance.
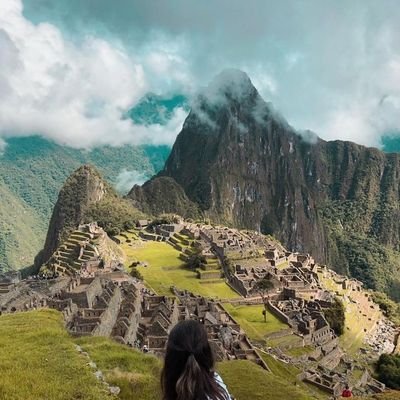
(96, 297)
(86, 250)
(227, 338)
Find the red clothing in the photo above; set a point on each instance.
(347, 393)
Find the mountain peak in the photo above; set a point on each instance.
(84, 187)
(232, 78)
(230, 83)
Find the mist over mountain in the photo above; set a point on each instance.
(33, 170)
(242, 164)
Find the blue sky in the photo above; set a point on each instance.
(69, 69)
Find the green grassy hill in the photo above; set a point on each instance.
(165, 269)
(21, 230)
(32, 171)
(39, 361)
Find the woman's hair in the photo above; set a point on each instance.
(188, 370)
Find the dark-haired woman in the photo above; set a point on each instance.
(188, 372)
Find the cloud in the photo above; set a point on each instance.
(73, 93)
(3, 145)
(126, 179)
(325, 65)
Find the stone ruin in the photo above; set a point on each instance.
(227, 338)
(334, 382)
(299, 279)
(86, 251)
(97, 298)
(306, 318)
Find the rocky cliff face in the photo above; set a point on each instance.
(82, 189)
(163, 196)
(244, 165)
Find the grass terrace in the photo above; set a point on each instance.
(135, 373)
(38, 360)
(246, 380)
(289, 373)
(165, 269)
(251, 320)
(360, 316)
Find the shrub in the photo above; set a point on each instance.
(196, 260)
(388, 368)
(135, 273)
(335, 315)
(113, 214)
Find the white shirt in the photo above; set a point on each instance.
(221, 383)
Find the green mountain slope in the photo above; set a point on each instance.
(243, 165)
(40, 361)
(33, 170)
(21, 230)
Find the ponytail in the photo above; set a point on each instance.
(189, 365)
(187, 385)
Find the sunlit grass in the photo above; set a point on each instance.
(38, 360)
(251, 320)
(246, 380)
(165, 269)
(135, 373)
(360, 318)
(289, 373)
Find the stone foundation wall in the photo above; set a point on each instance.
(109, 316)
(94, 289)
(134, 319)
(278, 313)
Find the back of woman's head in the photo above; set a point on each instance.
(188, 369)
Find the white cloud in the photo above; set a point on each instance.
(126, 179)
(329, 66)
(3, 145)
(73, 93)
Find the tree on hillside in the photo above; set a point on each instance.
(195, 260)
(388, 368)
(135, 273)
(335, 315)
(229, 268)
(113, 214)
(263, 287)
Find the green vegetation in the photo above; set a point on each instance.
(20, 231)
(136, 374)
(152, 198)
(356, 231)
(113, 214)
(246, 380)
(287, 342)
(32, 171)
(165, 269)
(252, 321)
(135, 273)
(390, 308)
(263, 287)
(335, 315)
(289, 373)
(300, 351)
(388, 369)
(38, 360)
(165, 219)
(360, 317)
(195, 261)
